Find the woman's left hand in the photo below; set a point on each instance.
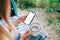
(19, 20)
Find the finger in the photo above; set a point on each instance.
(20, 34)
(22, 18)
(27, 32)
(25, 15)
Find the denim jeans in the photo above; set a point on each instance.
(17, 37)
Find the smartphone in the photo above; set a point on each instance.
(29, 18)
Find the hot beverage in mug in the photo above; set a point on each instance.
(35, 29)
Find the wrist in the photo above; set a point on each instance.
(22, 39)
(15, 22)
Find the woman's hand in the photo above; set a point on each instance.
(25, 35)
(19, 20)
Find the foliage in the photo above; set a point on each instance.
(50, 22)
(58, 19)
(37, 3)
(25, 3)
(58, 31)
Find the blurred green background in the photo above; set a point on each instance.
(39, 3)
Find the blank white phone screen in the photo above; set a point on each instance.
(29, 18)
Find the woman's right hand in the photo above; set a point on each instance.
(25, 35)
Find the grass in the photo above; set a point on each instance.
(58, 19)
(58, 31)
